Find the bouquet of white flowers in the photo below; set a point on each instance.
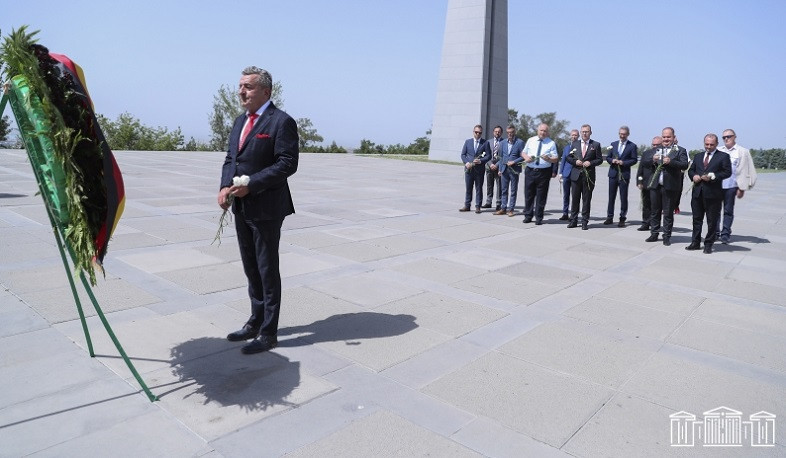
(225, 215)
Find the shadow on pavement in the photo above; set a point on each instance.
(349, 327)
(253, 382)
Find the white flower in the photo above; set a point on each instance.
(609, 148)
(641, 178)
(711, 175)
(572, 151)
(241, 181)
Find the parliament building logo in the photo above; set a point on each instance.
(722, 427)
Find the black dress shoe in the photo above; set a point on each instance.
(486, 205)
(643, 227)
(693, 246)
(260, 344)
(608, 221)
(572, 224)
(584, 226)
(667, 241)
(621, 223)
(652, 238)
(527, 219)
(464, 209)
(564, 217)
(708, 249)
(538, 222)
(246, 333)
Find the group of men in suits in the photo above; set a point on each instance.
(659, 177)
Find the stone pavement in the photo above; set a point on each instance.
(407, 328)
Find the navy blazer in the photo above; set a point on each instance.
(468, 151)
(720, 165)
(594, 156)
(564, 166)
(511, 154)
(269, 155)
(628, 157)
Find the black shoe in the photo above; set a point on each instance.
(693, 246)
(643, 227)
(708, 249)
(584, 226)
(260, 344)
(246, 333)
(667, 241)
(572, 224)
(608, 221)
(477, 209)
(652, 238)
(621, 223)
(538, 222)
(564, 217)
(486, 206)
(499, 207)
(527, 219)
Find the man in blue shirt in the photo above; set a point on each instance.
(563, 175)
(539, 153)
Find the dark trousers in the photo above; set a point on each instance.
(492, 178)
(614, 185)
(646, 207)
(510, 188)
(474, 178)
(536, 190)
(729, 197)
(581, 190)
(662, 203)
(258, 242)
(700, 207)
(565, 193)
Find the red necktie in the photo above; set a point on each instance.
(583, 149)
(706, 160)
(247, 129)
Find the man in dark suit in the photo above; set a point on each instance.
(492, 149)
(707, 171)
(263, 146)
(474, 158)
(668, 162)
(621, 156)
(585, 155)
(563, 175)
(643, 177)
(509, 171)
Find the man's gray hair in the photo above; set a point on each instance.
(265, 80)
(626, 129)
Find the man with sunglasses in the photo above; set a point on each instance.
(743, 177)
(474, 158)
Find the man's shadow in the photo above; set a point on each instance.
(217, 370)
(349, 328)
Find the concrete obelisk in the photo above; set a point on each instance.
(473, 75)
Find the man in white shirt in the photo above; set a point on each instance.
(743, 177)
(539, 153)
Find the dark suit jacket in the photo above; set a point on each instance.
(628, 157)
(594, 156)
(511, 154)
(720, 165)
(646, 168)
(269, 155)
(488, 148)
(672, 172)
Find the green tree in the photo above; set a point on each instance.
(527, 126)
(307, 134)
(128, 133)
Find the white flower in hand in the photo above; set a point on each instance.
(241, 181)
(711, 175)
(609, 148)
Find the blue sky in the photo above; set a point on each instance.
(369, 69)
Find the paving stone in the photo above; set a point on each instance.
(748, 290)
(636, 320)
(653, 296)
(365, 290)
(756, 317)
(545, 405)
(439, 270)
(208, 279)
(169, 259)
(384, 434)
